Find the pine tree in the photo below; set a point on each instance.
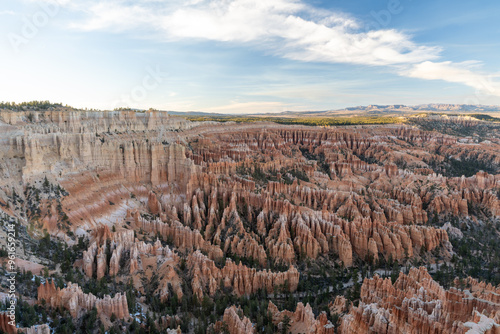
(285, 324)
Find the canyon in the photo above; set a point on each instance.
(161, 210)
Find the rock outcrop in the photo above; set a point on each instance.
(36, 329)
(182, 236)
(339, 306)
(73, 299)
(5, 327)
(302, 320)
(416, 302)
(237, 324)
(130, 256)
(206, 277)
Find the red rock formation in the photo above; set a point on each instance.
(154, 205)
(169, 277)
(230, 228)
(101, 261)
(5, 327)
(303, 320)
(73, 299)
(4, 324)
(241, 279)
(36, 329)
(168, 321)
(311, 236)
(182, 236)
(338, 306)
(391, 170)
(416, 302)
(235, 323)
(279, 242)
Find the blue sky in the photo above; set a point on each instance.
(237, 56)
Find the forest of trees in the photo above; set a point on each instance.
(32, 105)
(311, 121)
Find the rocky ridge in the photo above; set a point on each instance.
(73, 299)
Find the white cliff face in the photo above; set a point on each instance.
(483, 326)
(63, 121)
(98, 158)
(64, 142)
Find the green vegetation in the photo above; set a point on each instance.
(485, 128)
(311, 121)
(285, 327)
(295, 173)
(482, 117)
(32, 105)
(451, 167)
(476, 251)
(52, 193)
(320, 158)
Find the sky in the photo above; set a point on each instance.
(249, 56)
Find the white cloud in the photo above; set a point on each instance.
(288, 28)
(115, 17)
(455, 72)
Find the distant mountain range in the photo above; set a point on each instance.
(367, 110)
(195, 113)
(428, 107)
